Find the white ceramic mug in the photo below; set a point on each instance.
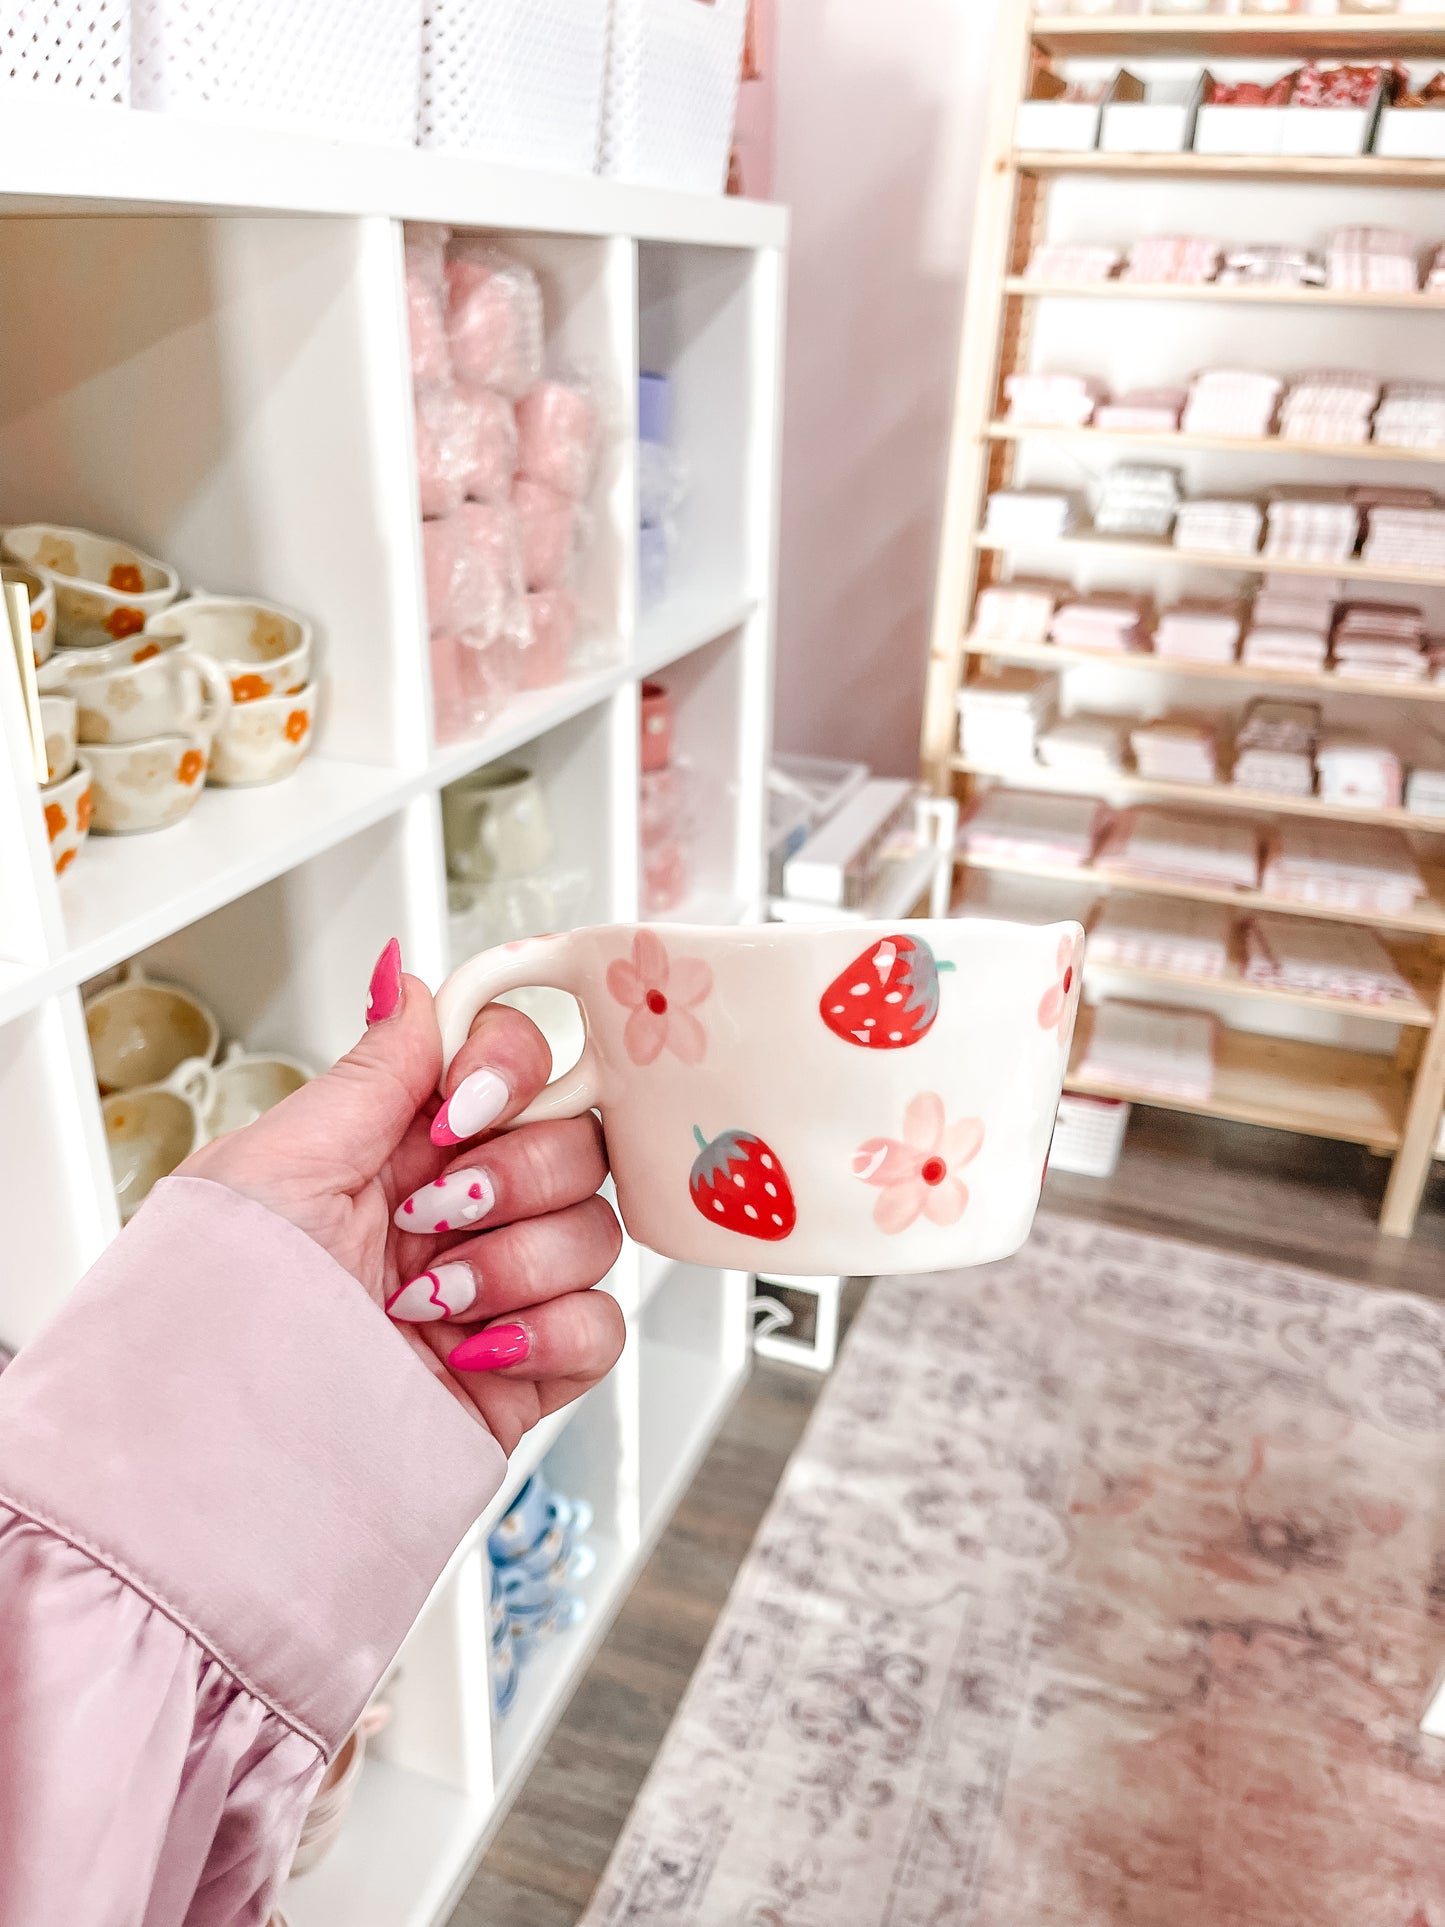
(264, 650)
(104, 590)
(496, 824)
(42, 607)
(149, 1130)
(127, 702)
(58, 720)
(813, 1100)
(242, 1087)
(149, 785)
(261, 742)
(68, 805)
(142, 1029)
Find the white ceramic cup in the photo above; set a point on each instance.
(264, 650)
(142, 1029)
(150, 1129)
(811, 1100)
(260, 742)
(497, 825)
(68, 805)
(59, 719)
(42, 607)
(126, 702)
(149, 785)
(244, 1086)
(95, 579)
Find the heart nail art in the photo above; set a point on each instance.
(449, 1203)
(447, 1291)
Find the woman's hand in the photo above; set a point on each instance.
(483, 1252)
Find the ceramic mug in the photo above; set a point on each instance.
(126, 702)
(58, 721)
(261, 742)
(104, 590)
(496, 825)
(810, 1099)
(242, 1087)
(42, 607)
(142, 1030)
(263, 650)
(149, 785)
(149, 1130)
(69, 807)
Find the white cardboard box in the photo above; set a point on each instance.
(1161, 123)
(1411, 133)
(1333, 132)
(1046, 123)
(1238, 130)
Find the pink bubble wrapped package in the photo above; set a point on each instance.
(557, 437)
(426, 300)
(552, 623)
(493, 445)
(473, 571)
(446, 435)
(494, 319)
(474, 677)
(546, 524)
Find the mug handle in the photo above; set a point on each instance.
(215, 688)
(541, 962)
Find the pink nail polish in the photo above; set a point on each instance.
(446, 1291)
(489, 1350)
(447, 1204)
(477, 1101)
(384, 994)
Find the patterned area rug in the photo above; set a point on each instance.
(1106, 1586)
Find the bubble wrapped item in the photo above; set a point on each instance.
(666, 877)
(546, 524)
(494, 319)
(426, 298)
(552, 623)
(493, 446)
(557, 437)
(490, 671)
(473, 570)
(445, 446)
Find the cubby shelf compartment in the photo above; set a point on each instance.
(1325, 682)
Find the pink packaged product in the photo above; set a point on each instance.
(552, 623)
(473, 570)
(546, 523)
(474, 677)
(445, 447)
(493, 448)
(426, 305)
(557, 437)
(494, 319)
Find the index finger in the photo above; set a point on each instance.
(497, 1072)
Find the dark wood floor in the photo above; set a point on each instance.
(1271, 1195)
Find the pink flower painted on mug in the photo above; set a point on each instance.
(661, 993)
(916, 1174)
(1056, 1006)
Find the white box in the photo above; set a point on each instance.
(1161, 123)
(1239, 130)
(1411, 133)
(1048, 124)
(1088, 1134)
(1332, 132)
(838, 860)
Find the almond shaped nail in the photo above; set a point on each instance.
(490, 1350)
(449, 1203)
(384, 994)
(477, 1101)
(446, 1291)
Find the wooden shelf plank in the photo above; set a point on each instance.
(1354, 169)
(1283, 297)
(1127, 549)
(1427, 919)
(1292, 35)
(1212, 795)
(1417, 1013)
(1048, 654)
(1352, 1097)
(1007, 431)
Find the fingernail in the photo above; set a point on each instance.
(477, 1101)
(448, 1203)
(488, 1351)
(444, 1292)
(384, 993)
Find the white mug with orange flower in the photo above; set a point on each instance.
(127, 702)
(260, 742)
(810, 1100)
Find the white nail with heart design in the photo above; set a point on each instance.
(449, 1204)
(447, 1291)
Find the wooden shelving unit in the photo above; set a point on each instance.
(1367, 1075)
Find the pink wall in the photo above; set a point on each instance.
(877, 107)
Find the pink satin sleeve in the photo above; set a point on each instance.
(226, 1488)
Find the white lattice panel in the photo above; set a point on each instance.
(514, 80)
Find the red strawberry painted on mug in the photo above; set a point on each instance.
(887, 998)
(737, 1182)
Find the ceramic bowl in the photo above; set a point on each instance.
(147, 785)
(104, 590)
(262, 649)
(68, 814)
(242, 1087)
(148, 1131)
(58, 719)
(125, 702)
(42, 607)
(260, 742)
(142, 1030)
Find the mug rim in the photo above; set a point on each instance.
(169, 587)
(156, 624)
(306, 693)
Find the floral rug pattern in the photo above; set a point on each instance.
(1107, 1586)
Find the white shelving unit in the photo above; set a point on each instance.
(206, 353)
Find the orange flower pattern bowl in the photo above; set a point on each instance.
(104, 590)
(262, 742)
(42, 607)
(121, 701)
(67, 808)
(147, 785)
(264, 649)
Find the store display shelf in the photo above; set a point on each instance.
(684, 1396)
(1295, 36)
(57, 157)
(1418, 1013)
(1047, 654)
(407, 1842)
(1355, 170)
(1214, 795)
(526, 717)
(1007, 431)
(686, 620)
(1116, 290)
(652, 1269)
(1124, 548)
(1428, 919)
(1352, 1097)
